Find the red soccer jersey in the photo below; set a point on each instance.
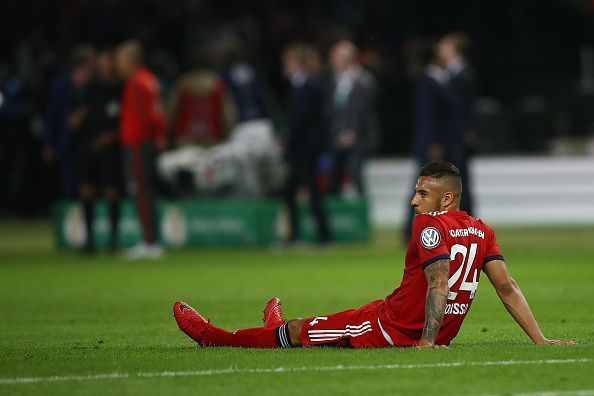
(469, 243)
(200, 116)
(141, 117)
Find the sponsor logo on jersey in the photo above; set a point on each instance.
(456, 309)
(430, 237)
(464, 232)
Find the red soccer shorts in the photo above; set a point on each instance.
(358, 328)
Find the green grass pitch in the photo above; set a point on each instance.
(77, 325)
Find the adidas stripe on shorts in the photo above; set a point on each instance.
(358, 328)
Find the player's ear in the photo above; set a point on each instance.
(447, 199)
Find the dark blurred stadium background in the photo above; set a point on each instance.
(534, 61)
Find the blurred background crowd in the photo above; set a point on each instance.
(259, 98)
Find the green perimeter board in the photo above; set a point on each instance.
(228, 222)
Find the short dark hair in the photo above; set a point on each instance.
(306, 55)
(439, 169)
(443, 169)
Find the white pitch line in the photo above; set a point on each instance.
(581, 392)
(275, 370)
(32, 380)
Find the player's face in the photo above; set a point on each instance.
(446, 50)
(428, 195)
(290, 64)
(83, 73)
(339, 58)
(123, 62)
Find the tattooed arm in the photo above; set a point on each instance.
(437, 275)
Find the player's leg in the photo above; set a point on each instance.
(140, 167)
(359, 328)
(273, 318)
(112, 195)
(206, 334)
(87, 195)
(86, 175)
(294, 327)
(273, 313)
(337, 171)
(316, 205)
(111, 165)
(290, 191)
(357, 164)
(335, 329)
(144, 190)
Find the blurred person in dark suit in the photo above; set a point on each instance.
(306, 136)
(431, 111)
(247, 84)
(352, 92)
(142, 133)
(16, 163)
(461, 91)
(64, 117)
(431, 118)
(98, 153)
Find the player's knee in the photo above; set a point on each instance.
(294, 326)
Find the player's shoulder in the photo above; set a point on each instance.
(474, 226)
(480, 223)
(429, 229)
(488, 230)
(448, 219)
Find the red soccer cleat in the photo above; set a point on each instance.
(273, 313)
(191, 322)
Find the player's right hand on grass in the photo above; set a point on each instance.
(431, 346)
(556, 342)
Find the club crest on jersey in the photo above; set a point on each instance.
(430, 237)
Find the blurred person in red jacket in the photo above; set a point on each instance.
(142, 131)
(201, 107)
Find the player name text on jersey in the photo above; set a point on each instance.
(456, 309)
(464, 232)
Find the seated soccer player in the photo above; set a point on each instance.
(447, 253)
